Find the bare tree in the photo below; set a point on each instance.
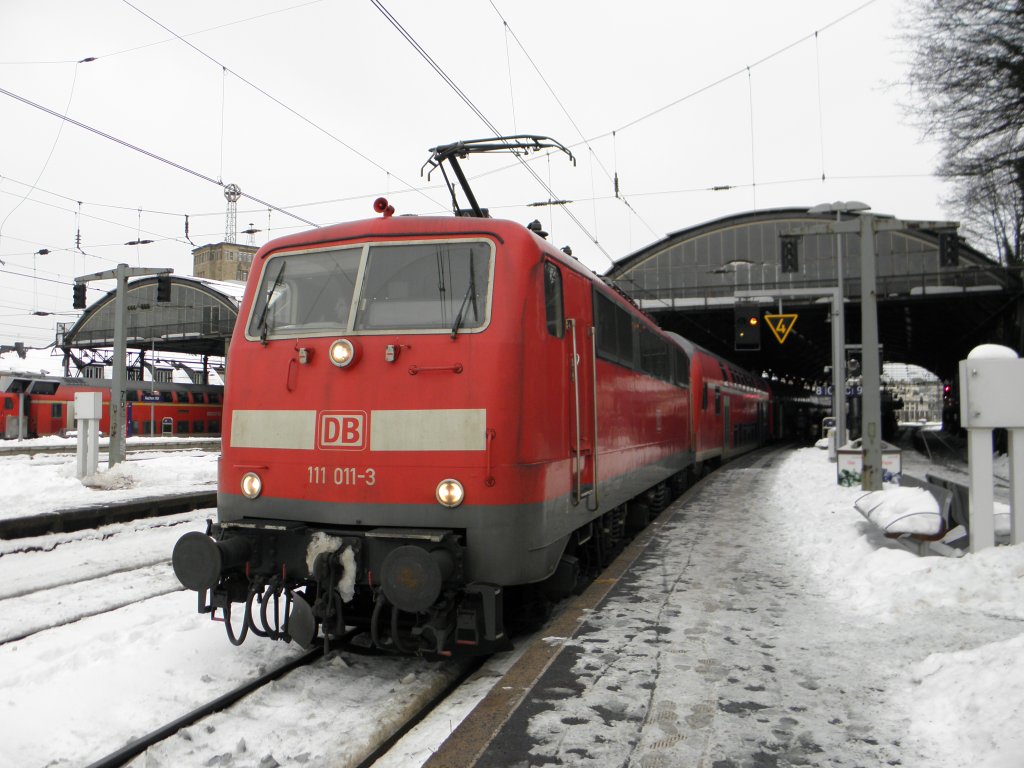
(967, 73)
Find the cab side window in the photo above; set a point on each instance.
(554, 313)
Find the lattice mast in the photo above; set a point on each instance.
(231, 193)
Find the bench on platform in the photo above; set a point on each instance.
(924, 523)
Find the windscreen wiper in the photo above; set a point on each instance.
(262, 325)
(470, 295)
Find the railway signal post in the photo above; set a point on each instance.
(116, 452)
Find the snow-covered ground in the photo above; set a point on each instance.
(71, 693)
(47, 482)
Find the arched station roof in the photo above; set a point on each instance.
(198, 320)
(931, 311)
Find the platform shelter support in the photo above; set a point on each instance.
(88, 409)
(991, 383)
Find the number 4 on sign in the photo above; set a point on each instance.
(781, 325)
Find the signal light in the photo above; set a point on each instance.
(163, 287)
(78, 296)
(949, 249)
(790, 253)
(747, 328)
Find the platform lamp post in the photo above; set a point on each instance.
(839, 207)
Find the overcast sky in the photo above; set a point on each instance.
(317, 107)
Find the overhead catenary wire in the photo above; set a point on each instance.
(134, 48)
(146, 152)
(46, 163)
(280, 103)
(710, 86)
(469, 102)
(565, 111)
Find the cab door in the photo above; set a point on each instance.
(582, 386)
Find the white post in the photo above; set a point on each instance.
(1016, 456)
(88, 409)
(981, 517)
(991, 382)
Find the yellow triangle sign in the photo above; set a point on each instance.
(781, 325)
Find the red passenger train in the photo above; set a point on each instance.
(426, 414)
(152, 409)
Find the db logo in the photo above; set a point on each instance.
(341, 430)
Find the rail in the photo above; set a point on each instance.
(135, 748)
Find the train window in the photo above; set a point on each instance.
(214, 398)
(181, 397)
(614, 330)
(146, 426)
(167, 425)
(654, 358)
(198, 397)
(309, 292)
(197, 426)
(554, 313)
(182, 428)
(8, 403)
(166, 397)
(718, 400)
(681, 372)
(56, 410)
(213, 426)
(131, 395)
(425, 286)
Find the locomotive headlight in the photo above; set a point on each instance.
(342, 352)
(252, 485)
(450, 493)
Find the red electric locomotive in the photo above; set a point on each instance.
(152, 409)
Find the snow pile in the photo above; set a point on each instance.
(958, 709)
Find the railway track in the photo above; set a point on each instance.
(363, 756)
(30, 448)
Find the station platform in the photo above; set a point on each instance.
(712, 641)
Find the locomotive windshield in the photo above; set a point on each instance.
(424, 287)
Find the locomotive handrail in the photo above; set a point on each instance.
(489, 478)
(578, 493)
(593, 363)
(454, 368)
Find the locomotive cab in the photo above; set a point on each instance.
(358, 475)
